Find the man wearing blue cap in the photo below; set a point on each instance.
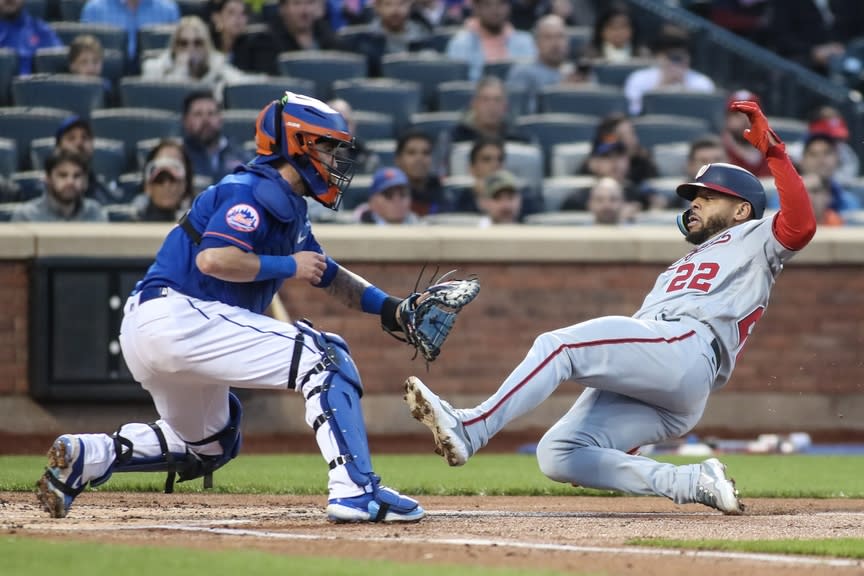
(76, 136)
(389, 199)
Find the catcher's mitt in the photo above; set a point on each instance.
(426, 317)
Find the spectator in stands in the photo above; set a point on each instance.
(75, 135)
(609, 159)
(828, 120)
(227, 24)
(672, 71)
(389, 199)
(485, 158)
(190, 56)
(500, 199)
(575, 12)
(392, 20)
(63, 198)
(820, 157)
(705, 150)
(301, 25)
(614, 38)
(488, 36)
(414, 158)
(820, 196)
(211, 152)
(738, 149)
(86, 57)
(131, 15)
(437, 13)
(24, 33)
(365, 159)
(341, 13)
(606, 202)
(551, 66)
(813, 32)
(618, 126)
(487, 115)
(166, 184)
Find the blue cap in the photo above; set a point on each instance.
(388, 177)
(68, 124)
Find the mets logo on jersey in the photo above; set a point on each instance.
(242, 217)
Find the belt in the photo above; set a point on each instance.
(151, 293)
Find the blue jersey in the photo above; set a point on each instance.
(253, 209)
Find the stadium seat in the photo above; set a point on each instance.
(656, 129)
(616, 73)
(357, 193)
(436, 41)
(789, 129)
(385, 150)
(6, 210)
(111, 37)
(24, 124)
(8, 69)
(255, 93)
(130, 125)
(710, 106)
(501, 68)
(36, 8)
(30, 184)
(671, 158)
(658, 218)
(40, 149)
(121, 213)
(590, 100)
(193, 8)
(373, 125)
(137, 92)
(130, 184)
(70, 10)
(470, 219)
(155, 37)
(109, 157)
(568, 218)
(558, 189)
(434, 123)
(579, 37)
(78, 94)
(239, 125)
(523, 160)
(665, 185)
(567, 159)
(395, 97)
(322, 67)
(8, 157)
(56, 61)
(551, 129)
(427, 69)
(455, 96)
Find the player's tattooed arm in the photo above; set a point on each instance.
(348, 288)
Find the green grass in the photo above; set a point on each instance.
(834, 547)
(46, 558)
(794, 476)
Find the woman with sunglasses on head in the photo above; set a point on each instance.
(191, 56)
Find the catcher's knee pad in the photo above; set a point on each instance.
(186, 464)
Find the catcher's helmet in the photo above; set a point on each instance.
(727, 179)
(293, 128)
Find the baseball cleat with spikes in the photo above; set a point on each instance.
(61, 482)
(451, 442)
(716, 490)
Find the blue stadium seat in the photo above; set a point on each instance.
(579, 37)
(710, 106)
(193, 8)
(8, 157)
(40, 149)
(557, 190)
(384, 95)
(455, 96)
(437, 41)
(130, 125)
(427, 69)
(137, 92)
(552, 129)
(130, 184)
(155, 36)
(8, 69)
(239, 125)
(434, 123)
(70, 10)
(36, 8)
(79, 94)
(322, 67)
(24, 124)
(30, 184)
(593, 100)
(499, 69)
(385, 150)
(616, 73)
(255, 93)
(656, 129)
(111, 37)
(6, 210)
(56, 61)
(789, 129)
(374, 125)
(109, 156)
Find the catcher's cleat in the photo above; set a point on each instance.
(384, 505)
(451, 442)
(716, 490)
(61, 482)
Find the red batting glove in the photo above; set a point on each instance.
(760, 133)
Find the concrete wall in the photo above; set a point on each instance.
(801, 370)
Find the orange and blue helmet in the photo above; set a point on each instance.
(311, 137)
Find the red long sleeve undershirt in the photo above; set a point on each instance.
(795, 224)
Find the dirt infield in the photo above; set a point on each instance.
(576, 534)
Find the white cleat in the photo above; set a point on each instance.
(451, 442)
(716, 490)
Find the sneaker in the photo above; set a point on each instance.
(451, 442)
(61, 482)
(716, 490)
(382, 505)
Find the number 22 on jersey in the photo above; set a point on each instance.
(694, 276)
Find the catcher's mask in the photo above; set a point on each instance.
(724, 179)
(315, 141)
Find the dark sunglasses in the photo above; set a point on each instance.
(390, 193)
(184, 42)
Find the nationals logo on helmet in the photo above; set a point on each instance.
(242, 217)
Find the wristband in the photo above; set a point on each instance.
(373, 299)
(329, 273)
(388, 314)
(275, 267)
